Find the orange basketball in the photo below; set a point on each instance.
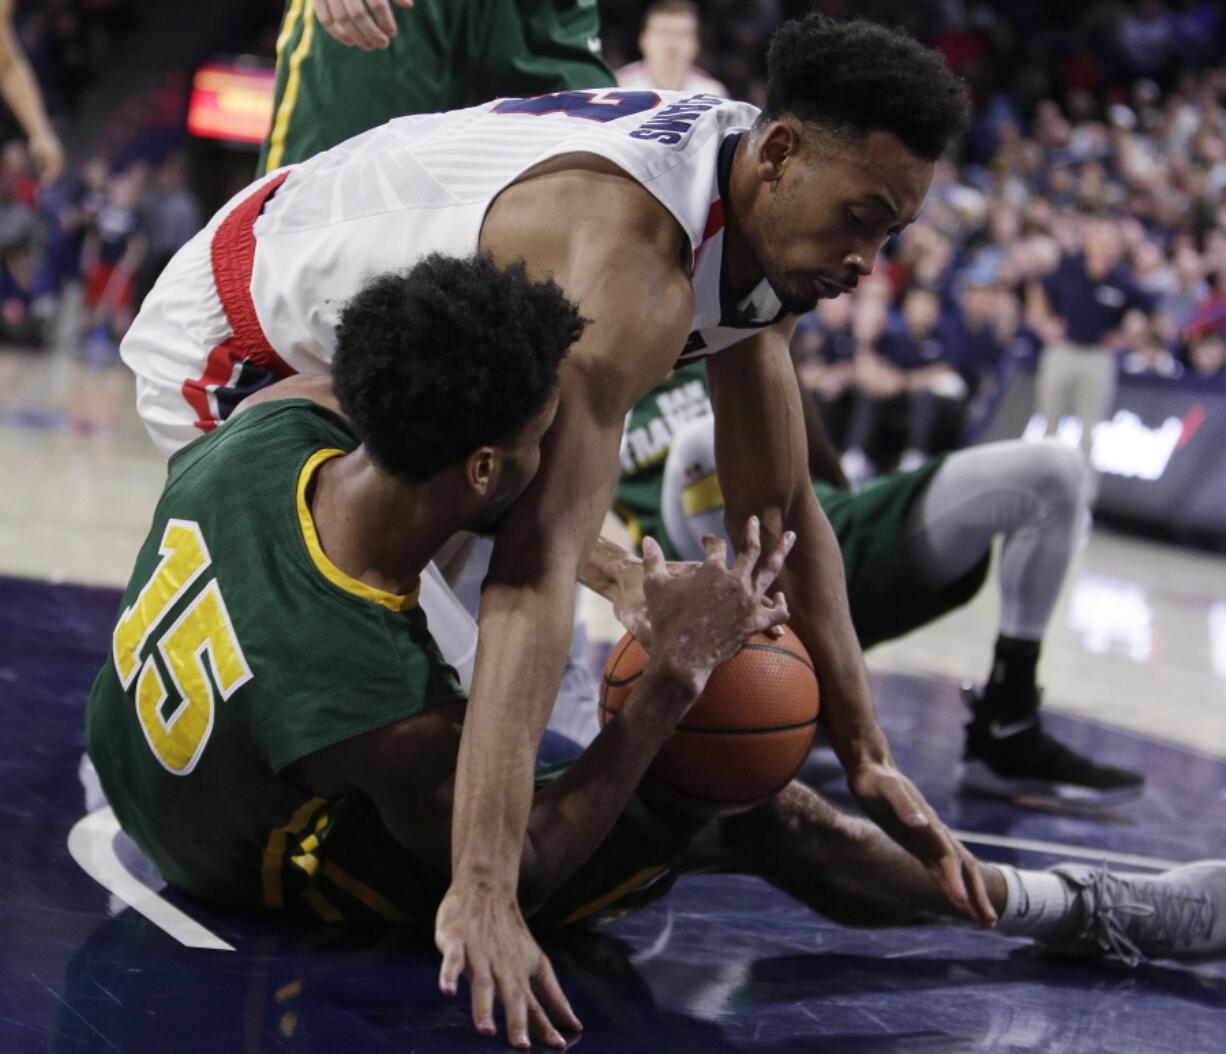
(743, 739)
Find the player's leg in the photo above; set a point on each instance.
(848, 870)
(1032, 494)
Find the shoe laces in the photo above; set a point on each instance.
(1117, 915)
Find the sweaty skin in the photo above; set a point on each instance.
(808, 213)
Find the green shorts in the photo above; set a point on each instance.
(887, 595)
(446, 54)
(364, 878)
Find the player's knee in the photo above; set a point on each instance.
(1058, 476)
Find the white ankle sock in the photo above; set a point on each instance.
(1039, 905)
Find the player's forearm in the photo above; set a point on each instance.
(815, 586)
(524, 634)
(20, 91)
(572, 816)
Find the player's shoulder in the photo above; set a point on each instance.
(285, 427)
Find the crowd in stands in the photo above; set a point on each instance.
(1083, 112)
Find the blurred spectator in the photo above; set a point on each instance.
(825, 349)
(111, 255)
(18, 196)
(169, 216)
(907, 382)
(1207, 356)
(19, 324)
(1084, 311)
(670, 44)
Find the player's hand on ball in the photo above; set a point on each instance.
(895, 804)
(486, 939)
(630, 603)
(700, 619)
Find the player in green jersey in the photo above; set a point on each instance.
(344, 66)
(276, 728)
(915, 546)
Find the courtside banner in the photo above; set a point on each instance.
(1160, 455)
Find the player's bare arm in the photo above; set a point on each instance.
(616, 251)
(702, 617)
(20, 90)
(762, 464)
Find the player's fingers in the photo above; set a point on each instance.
(481, 986)
(951, 879)
(360, 24)
(716, 550)
(327, 14)
(404, 3)
(769, 570)
(654, 565)
(978, 888)
(515, 1006)
(751, 547)
(554, 999)
(453, 965)
(381, 14)
(541, 1027)
(905, 805)
(775, 612)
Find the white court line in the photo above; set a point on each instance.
(91, 843)
(1081, 852)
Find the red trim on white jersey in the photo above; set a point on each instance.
(232, 252)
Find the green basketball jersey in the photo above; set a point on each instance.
(240, 648)
(446, 55)
(681, 397)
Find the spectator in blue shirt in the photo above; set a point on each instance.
(909, 381)
(1085, 310)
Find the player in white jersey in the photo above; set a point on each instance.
(670, 43)
(678, 223)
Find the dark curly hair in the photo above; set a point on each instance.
(856, 77)
(450, 355)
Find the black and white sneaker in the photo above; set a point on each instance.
(1019, 760)
(1179, 914)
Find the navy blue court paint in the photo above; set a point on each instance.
(722, 964)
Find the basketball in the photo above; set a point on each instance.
(746, 735)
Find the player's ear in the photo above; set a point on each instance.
(777, 142)
(479, 469)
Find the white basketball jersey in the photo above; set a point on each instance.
(417, 185)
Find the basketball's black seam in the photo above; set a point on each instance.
(744, 731)
(780, 651)
(611, 683)
(725, 731)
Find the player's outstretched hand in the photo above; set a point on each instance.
(702, 618)
(895, 804)
(367, 24)
(630, 602)
(486, 939)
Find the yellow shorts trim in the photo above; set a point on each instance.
(702, 495)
